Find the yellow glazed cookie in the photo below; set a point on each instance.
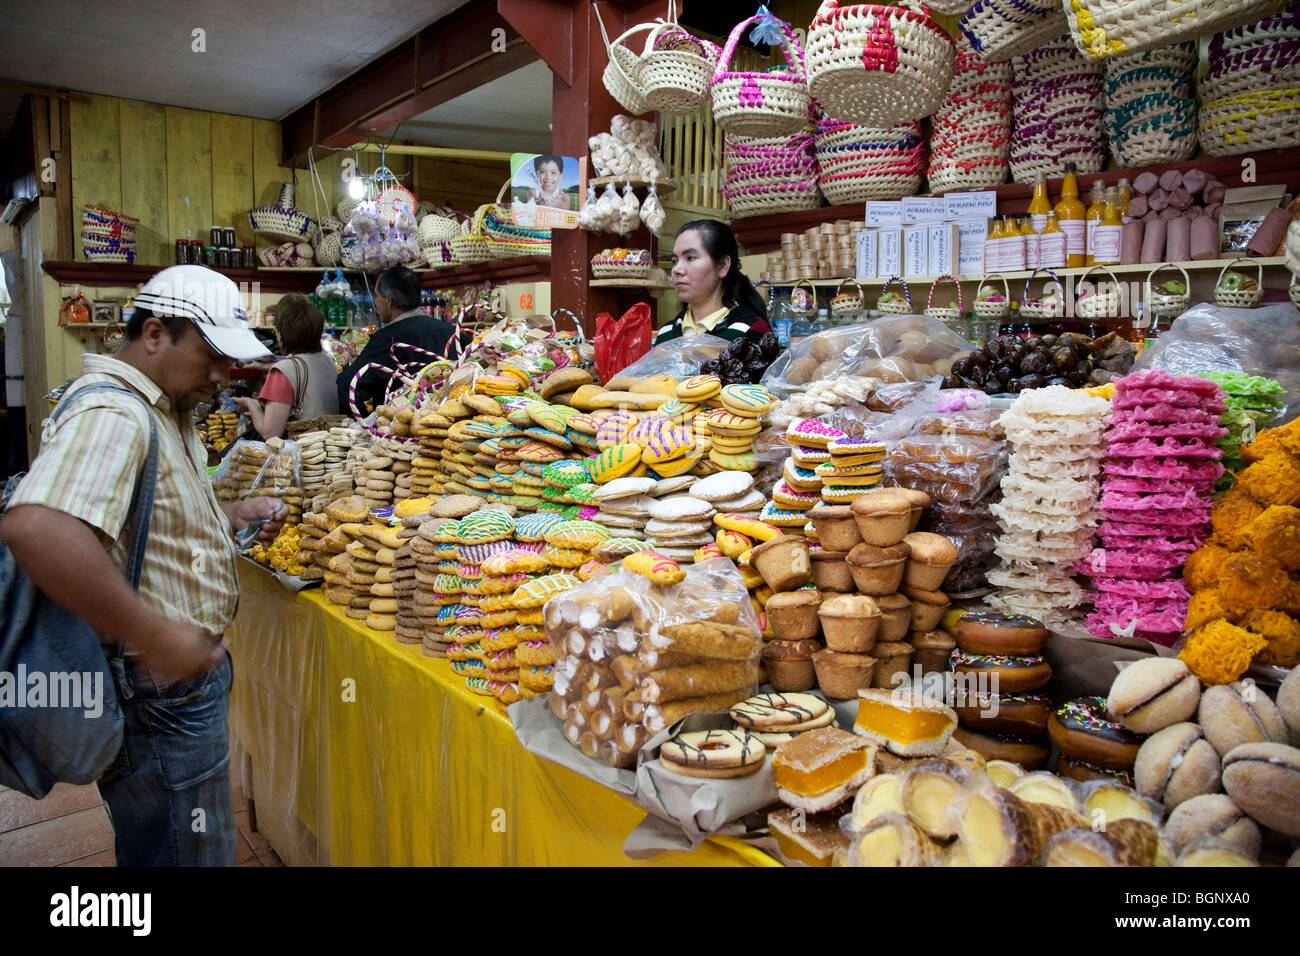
(655, 566)
(749, 527)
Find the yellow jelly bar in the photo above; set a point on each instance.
(793, 850)
(903, 726)
(810, 783)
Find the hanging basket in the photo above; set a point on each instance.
(328, 243)
(1239, 298)
(675, 70)
(1104, 303)
(1043, 308)
(1106, 28)
(1168, 304)
(1266, 119)
(893, 306)
(622, 72)
(992, 310)
(943, 313)
(436, 228)
(752, 103)
(847, 303)
(1001, 29)
(877, 65)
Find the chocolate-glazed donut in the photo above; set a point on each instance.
(1084, 730)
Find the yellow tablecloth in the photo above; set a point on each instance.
(366, 752)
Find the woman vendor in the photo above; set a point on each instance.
(716, 296)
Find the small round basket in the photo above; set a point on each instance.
(1042, 308)
(894, 306)
(847, 303)
(1168, 304)
(1104, 302)
(1239, 298)
(944, 313)
(992, 310)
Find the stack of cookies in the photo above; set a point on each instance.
(733, 427)
(311, 462)
(625, 506)
(240, 470)
(678, 524)
(413, 623)
(1161, 466)
(1049, 501)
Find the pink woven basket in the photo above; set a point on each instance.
(750, 103)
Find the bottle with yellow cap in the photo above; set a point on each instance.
(1108, 236)
(1052, 243)
(1096, 208)
(1070, 213)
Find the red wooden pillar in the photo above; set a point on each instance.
(567, 36)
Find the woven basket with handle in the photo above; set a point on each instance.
(944, 313)
(894, 307)
(1164, 303)
(1239, 298)
(675, 70)
(622, 76)
(752, 103)
(1041, 308)
(992, 310)
(1104, 303)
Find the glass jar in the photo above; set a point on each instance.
(249, 256)
(182, 252)
(214, 237)
(210, 256)
(228, 236)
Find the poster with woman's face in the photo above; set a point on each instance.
(545, 190)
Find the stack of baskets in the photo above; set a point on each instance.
(1001, 29)
(1057, 113)
(878, 65)
(434, 233)
(507, 240)
(971, 135)
(769, 103)
(1106, 28)
(1151, 106)
(771, 174)
(107, 236)
(858, 163)
(1251, 92)
(282, 221)
(675, 70)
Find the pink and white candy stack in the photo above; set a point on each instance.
(1058, 108)
(1155, 502)
(971, 135)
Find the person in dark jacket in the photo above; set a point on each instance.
(716, 296)
(397, 300)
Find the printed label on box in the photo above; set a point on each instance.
(868, 254)
(915, 259)
(943, 242)
(924, 209)
(887, 215)
(890, 253)
(971, 234)
(983, 203)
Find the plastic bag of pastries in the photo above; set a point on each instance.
(281, 469)
(633, 654)
(239, 468)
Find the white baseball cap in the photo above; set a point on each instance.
(211, 301)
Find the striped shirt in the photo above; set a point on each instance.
(87, 467)
(728, 323)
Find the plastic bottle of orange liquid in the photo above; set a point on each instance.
(1070, 217)
(1039, 205)
(1052, 244)
(1109, 233)
(1096, 209)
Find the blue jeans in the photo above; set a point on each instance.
(168, 792)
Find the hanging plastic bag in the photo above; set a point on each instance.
(587, 214)
(619, 344)
(629, 214)
(652, 211)
(607, 210)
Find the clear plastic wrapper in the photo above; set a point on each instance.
(949, 468)
(904, 348)
(279, 474)
(239, 469)
(679, 358)
(1208, 338)
(633, 657)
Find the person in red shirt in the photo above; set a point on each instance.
(301, 385)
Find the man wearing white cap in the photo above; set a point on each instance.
(67, 526)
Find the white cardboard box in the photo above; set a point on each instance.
(916, 261)
(969, 205)
(885, 214)
(942, 241)
(924, 209)
(868, 254)
(971, 234)
(889, 261)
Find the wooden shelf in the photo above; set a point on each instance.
(1141, 269)
(100, 275)
(758, 234)
(517, 269)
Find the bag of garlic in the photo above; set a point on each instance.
(652, 210)
(587, 214)
(629, 214)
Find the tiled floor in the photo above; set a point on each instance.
(70, 828)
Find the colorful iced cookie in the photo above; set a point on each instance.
(615, 462)
(750, 527)
(584, 535)
(808, 457)
(748, 401)
(567, 558)
(447, 584)
(534, 527)
(484, 526)
(657, 567)
(538, 452)
(699, 388)
(811, 433)
(554, 418)
(646, 429)
(513, 561)
(732, 543)
(722, 422)
(614, 430)
(745, 461)
(667, 443)
(677, 411)
(478, 553)
(787, 497)
(593, 568)
(782, 517)
(707, 552)
(800, 478)
(584, 423)
(679, 466)
(540, 590)
(565, 474)
(614, 549)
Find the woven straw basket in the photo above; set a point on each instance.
(1106, 28)
(1167, 303)
(1268, 119)
(877, 65)
(282, 221)
(1038, 308)
(435, 228)
(1103, 303)
(894, 307)
(1256, 68)
(944, 313)
(750, 103)
(622, 73)
(992, 310)
(675, 70)
(1293, 290)
(1001, 29)
(328, 242)
(1239, 298)
(846, 303)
